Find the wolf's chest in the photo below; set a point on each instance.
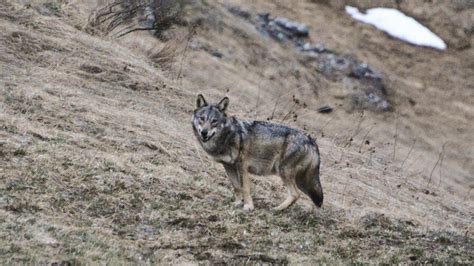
(228, 156)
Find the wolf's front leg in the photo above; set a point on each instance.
(236, 181)
(244, 174)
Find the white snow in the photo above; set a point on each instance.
(398, 25)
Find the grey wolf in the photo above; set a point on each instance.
(259, 148)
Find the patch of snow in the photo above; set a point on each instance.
(398, 25)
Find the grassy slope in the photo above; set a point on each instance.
(98, 162)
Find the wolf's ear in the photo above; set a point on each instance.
(201, 102)
(222, 105)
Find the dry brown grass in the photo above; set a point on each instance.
(122, 17)
(164, 56)
(98, 163)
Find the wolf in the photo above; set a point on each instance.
(246, 147)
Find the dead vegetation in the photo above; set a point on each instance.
(98, 163)
(122, 17)
(163, 56)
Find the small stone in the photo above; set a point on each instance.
(325, 110)
(217, 54)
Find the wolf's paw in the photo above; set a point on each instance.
(248, 207)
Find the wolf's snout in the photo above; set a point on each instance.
(205, 136)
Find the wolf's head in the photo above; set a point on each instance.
(209, 121)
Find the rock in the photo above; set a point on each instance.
(378, 102)
(318, 48)
(264, 16)
(325, 109)
(369, 89)
(296, 29)
(213, 218)
(369, 100)
(217, 54)
(239, 12)
(149, 17)
(282, 29)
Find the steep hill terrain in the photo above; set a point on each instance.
(98, 162)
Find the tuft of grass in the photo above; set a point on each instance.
(163, 56)
(122, 17)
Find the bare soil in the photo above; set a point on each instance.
(98, 163)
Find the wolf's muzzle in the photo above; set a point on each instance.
(205, 137)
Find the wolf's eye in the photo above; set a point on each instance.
(201, 119)
(214, 122)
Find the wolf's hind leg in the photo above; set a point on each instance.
(236, 183)
(293, 193)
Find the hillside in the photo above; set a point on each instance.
(98, 162)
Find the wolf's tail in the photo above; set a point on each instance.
(310, 185)
(316, 193)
